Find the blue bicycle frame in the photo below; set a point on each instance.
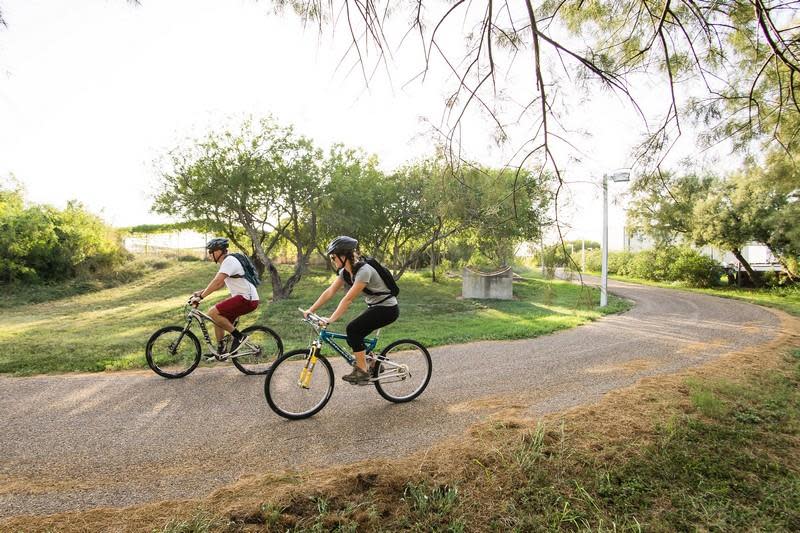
(329, 338)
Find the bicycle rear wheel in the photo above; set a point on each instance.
(262, 348)
(403, 370)
(172, 352)
(285, 393)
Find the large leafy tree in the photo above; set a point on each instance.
(260, 185)
(384, 211)
(757, 204)
(501, 207)
(661, 205)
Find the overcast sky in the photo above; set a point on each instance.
(93, 92)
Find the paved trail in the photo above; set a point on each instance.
(112, 440)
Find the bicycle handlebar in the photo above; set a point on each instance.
(313, 319)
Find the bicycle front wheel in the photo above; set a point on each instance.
(172, 352)
(289, 394)
(262, 348)
(402, 371)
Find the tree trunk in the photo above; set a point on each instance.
(420, 250)
(278, 292)
(258, 264)
(433, 253)
(738, 254)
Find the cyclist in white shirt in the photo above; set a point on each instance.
(243, 300)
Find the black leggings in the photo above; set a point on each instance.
(373, 318)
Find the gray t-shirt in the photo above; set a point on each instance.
(370, 276)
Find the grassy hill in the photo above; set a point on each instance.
(107, 329)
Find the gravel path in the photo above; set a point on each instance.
(78, 442)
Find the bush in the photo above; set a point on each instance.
(616, 261)
(694, 268)
(647, 264)
(41, 243)
(671, 264)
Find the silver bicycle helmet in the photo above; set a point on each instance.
(218, 243)
(341, 245)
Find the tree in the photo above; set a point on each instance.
(777, 185)
(259, 185)
(742, 54)
(724, 219)
(383, 211)
(662, 205)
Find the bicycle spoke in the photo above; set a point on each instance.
(403, 372)
(294, 393)
(172, 352)
(261, 349)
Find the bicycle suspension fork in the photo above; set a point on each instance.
(305, 374)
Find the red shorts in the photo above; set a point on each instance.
(236, 306)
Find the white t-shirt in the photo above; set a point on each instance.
(238, 286)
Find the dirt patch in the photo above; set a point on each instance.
(630, 367)
(487, 404)
(607, 429)
(695, 347)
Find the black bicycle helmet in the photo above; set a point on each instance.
(341, 245)
(218, 243)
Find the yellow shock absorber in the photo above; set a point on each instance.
(305, 374)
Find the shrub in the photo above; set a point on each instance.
(594, 260)
(647, 264)
(671, 263)
(41, 243)
(617, 262)
(693, 268)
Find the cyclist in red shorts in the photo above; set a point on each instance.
(243, 300)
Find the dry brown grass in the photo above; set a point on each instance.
(613, 431)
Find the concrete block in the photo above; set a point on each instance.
(487, 285)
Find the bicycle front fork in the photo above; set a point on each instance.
(305, 374)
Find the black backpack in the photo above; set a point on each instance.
(250, 272)
(383, 272)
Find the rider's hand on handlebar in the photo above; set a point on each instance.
(194, 301)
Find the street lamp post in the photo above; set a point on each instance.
(619, 176)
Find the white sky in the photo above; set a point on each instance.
(93, 92)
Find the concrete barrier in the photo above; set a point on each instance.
(487, 285)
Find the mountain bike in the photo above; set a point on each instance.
(174, 351)
(300, 382)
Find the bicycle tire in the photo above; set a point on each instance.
(418, 364)
(181, 366)
(284, 394)
(271, 348)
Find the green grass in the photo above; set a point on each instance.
(107, 329)
(784, 298)
(726, 461)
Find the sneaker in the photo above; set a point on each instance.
(237, 343)
(356, 377)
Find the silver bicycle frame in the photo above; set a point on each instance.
(195, 314)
